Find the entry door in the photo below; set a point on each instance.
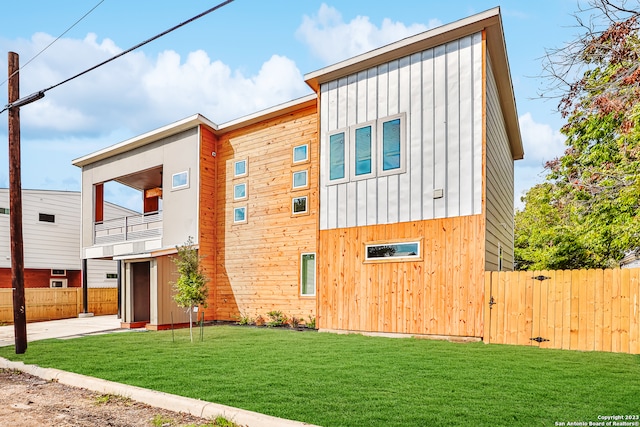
(141, 280)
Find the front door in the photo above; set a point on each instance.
(141, 283)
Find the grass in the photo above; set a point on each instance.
(349, 380)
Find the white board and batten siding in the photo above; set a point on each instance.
(500, 186)
(439, 91)
(51, 245)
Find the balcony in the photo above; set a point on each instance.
(135, 227)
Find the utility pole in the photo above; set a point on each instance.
(15, 208)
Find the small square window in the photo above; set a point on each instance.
(240, 191)
(46, 218)
(301, 153)
(180, 180)
(299, 205)
(300, 179)
(4, 211)
(240, 215)
(240, 168)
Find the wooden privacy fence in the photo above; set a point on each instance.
(51, 304)
(589, 310)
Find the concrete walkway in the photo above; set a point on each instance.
(76, 327)
(65, 328)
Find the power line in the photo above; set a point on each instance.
(39, 94)
(49, 45)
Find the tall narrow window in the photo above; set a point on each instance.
(337, 156)
(308, 274)
(391, 145)
(363, 152)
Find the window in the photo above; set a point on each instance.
(337, 156)
(300, 179)
(392, 251)
(112, 275)
(240, 191)
(362, 151)
(308, 274)
(46, 218)
(240, 215)
(58, 272)
(58, 283)
(4, 211)
(391, 143)
(240, 168)
(299, 205)
(180, 180)
(301, 153)
(367, 150)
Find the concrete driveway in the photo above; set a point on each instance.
(65, 328)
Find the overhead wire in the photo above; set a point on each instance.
(40, 93)
(50, 44)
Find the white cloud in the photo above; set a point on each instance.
(541, 142)
(333, 40)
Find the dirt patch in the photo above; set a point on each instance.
(26, 400)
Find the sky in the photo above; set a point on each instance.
(247, 56)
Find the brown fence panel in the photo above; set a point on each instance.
(588, 310)
(51, 304)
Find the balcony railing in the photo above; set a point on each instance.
(135, 227)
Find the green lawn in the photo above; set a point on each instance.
(352, 380)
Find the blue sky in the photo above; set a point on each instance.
(247, 56)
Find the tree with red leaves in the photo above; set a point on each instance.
(594, 188)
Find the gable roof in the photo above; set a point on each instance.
(489, 21)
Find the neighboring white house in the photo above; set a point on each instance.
(51, 241)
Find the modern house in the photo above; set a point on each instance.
(51, 242)
(375, 204)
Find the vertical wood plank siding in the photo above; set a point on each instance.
(442, 294)
(499, 176)
(257, 264)
(440, 90)
(587, 310)
(207, 222)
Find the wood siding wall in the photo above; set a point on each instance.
(440, 295)
(588, 310)
(440, 90)
(208, 214)
(39, 278)
(499, 185)
(52, 304)
(257, 264)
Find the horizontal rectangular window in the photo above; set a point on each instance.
(58, 272)
(300, 179)
(299, 205)
(392, 251)
(240, 215)
(180, 180)
(240, 168)
(46, 218)
(58, 283)
(240, 191)
(112, 275)
(308, 274)
(4, 211)
(301, 153)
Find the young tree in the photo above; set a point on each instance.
(191, 287)
(595, 185)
